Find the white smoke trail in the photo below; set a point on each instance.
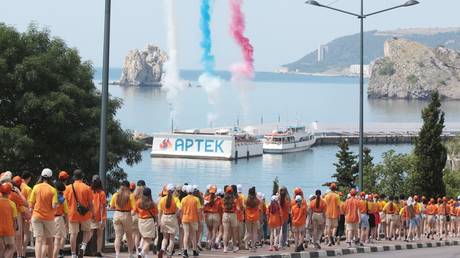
(211, 85)
(172, 82)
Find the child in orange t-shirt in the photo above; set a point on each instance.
(274, 223)
(299, 219)
(8, 214)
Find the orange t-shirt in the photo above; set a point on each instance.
(274, 219)
(42, 199)
(211, 208)
(190, 209)
(145, 214)
(333, 205)
(364, 207)
(100, 206)
(322, 206)
(18, 201)
(431, 209)
(285, 210)
(443, 209)
(457, 211)
(253, 214)
(8, 214)
(174, 205)
(240, 208)
(26, 190)
(299, 213)
(351, 210)
(85, 197)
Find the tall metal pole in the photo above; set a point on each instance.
(104, 96)
(361, 100)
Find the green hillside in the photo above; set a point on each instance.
(344, 51)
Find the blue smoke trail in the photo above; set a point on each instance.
(207, 58)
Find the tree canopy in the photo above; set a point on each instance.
(50, 108)
(430, 152)
(346, 167)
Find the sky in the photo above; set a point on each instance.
(281, 31)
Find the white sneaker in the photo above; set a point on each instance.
(236, 249)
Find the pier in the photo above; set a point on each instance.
(333, 133)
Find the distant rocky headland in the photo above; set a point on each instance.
(341, 56)
(143, 67)
(410, 70)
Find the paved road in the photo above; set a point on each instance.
(440, 252)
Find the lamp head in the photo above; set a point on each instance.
(411, 2)
(313, 2)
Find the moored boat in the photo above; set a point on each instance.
(288, 139)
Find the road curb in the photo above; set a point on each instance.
(365, 249)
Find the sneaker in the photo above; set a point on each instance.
(195, 253)
(81, 252)
(332, 242)
(160, 253)
(185, 254)
(98, 254)
(236, 249)
(254, 249)
(349, 244)
(317, 246)
(271, 249)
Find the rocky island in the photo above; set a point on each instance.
(410, 70)
(143, 67)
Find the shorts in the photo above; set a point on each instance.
(74, 227)
(383, 217)
(414, 222)
(332, 222)
(351, 226)
(169, 224)
(318, 218)
(43, 228)
(97, 224)
(442, 218)
(372, 221)
(147, 228)
(364, 222)
(122, 223)
(230, 219)
(431, 219)
(212, 219)
(7, 240)
(61, 231)
(189, 226)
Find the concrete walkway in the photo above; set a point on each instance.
(380, 246)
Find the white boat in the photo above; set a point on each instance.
(289, 139)
(226, 144)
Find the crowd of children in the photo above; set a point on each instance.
(184, 220)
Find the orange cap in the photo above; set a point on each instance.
(6, 188)
(229, 189)
(17, 181)
(297, 191)
(132, 186)
(63, 175)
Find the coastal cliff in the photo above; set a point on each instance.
(143, 67)
(410, 70)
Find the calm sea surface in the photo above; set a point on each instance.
(269, 97)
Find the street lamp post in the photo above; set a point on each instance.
(361, 16)
(104, 96)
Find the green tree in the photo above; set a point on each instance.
(452, 181)
(346, 167)
(393, 173)
(430, 153)
(453, 153)
(370, 174)
(50, 109)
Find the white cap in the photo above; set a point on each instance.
(46, 172)
(239, 188)
(458, 198)
(409, 201)
(6, 176)
(189, 189)
(311, 196)
(195, 187)
(348, 196)
(298, 198)
(274, 198)
(208, 187)
(220, 191)
(184, 188)
(170, 187)
(260, 195)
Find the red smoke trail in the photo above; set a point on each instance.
(237, 27)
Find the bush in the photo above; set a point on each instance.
(387, 69)
(412, 79)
